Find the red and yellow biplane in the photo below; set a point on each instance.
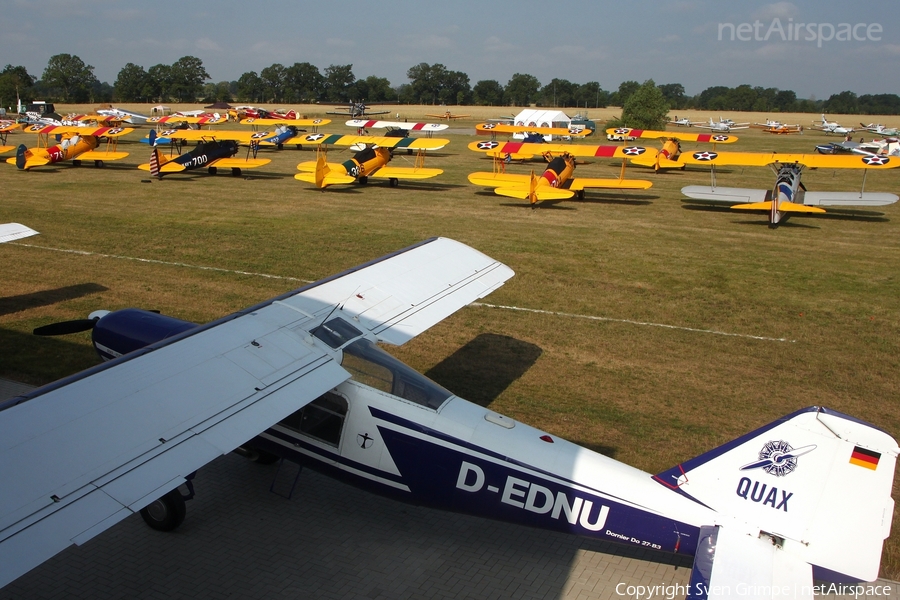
(76, 144)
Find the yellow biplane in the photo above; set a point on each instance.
(76, 144)
(448, 115)
(5, 128)
(788, 195)
(493, 129)
(215, 150)
(667, 156)
(370, 161)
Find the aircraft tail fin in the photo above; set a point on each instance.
(322, 170)
(816, 484)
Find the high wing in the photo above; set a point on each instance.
(93, 131)
(383, 141)
(493, 128)
(813, 161)
(14, 231)
(366, 124)
(717, 138)
(294, 122)
(79, 455)
(573, 149)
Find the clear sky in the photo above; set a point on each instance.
(579, 40)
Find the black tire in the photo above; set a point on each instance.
(166, 513)
(393, 182)
(213, 170)
(235, 172)
(99, 164)
(363, 180)
(76, 163)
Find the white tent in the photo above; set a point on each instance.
(532, 117)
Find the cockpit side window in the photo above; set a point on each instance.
(323, 418)
(372, 366)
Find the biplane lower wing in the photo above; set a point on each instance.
(240, 163)
(102, 155)
(725, 195)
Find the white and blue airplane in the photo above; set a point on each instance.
(301, 377)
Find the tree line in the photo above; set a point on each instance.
(68, 79)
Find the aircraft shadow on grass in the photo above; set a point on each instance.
(12, 304)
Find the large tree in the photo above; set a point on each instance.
(69, 77)
(250, 87)
(132, 84)
(626, 89)
(159, 82)
(188, 76)
(273, 78)
(559, 92)
(304, 83)
(375, 89)
(522, 89)
(15, 82)
(339, 80)
(488, 92)
(646, 108)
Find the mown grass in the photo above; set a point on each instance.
(650, 396)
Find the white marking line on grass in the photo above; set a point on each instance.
(531, 310)
(630, 322)
(160, 262)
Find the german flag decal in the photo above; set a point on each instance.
(865, 458)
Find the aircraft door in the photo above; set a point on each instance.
(322, 420)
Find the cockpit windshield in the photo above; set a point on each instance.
(372, 366)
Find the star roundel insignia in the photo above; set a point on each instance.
(876, 160)
(317, 121)
(634, 151)
(720, 138)
(314, 136)
(168, 133)
(259, 135)
(704, 155)
(115, 131)
(487, 145)
(622, 131)
(488, 126)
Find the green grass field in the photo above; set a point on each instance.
(670, 328)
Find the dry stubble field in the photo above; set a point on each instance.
(683, 326)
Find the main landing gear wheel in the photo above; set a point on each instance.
(76, 163)
(213, 170)
(363, 180)
(393, 182)
(166, 513)
(99, 164)
(235, 172)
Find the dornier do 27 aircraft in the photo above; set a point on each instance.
(370, 161)
(301, 376)
(788, 195)
(215, 150)
(76, 144)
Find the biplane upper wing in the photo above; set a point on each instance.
(715, 138)
(813, 161)
(7, 126)
(204, 135)
(210, 120)
(81, 454)
(383, 141)
(69, 129)
(371, 124)
(573, 149)
(294, 122)
(494, 128)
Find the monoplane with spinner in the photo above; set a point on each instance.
(830, 127)
(667, 157)
(76, 144)
(356, 110)
(788, 195)
(449, 116)
(371, 160)
(879, 129)
(301, 377)
(722, 125)
(214, 150)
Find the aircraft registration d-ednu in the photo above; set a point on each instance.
(301, 376)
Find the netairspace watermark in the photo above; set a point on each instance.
(800, 32)
(671, 591)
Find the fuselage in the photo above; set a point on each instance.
(367, 161)
(392, 431)
(205, 153)
(787, 185)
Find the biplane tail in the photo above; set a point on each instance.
(534, 191)
(321, 173)
(806, 496)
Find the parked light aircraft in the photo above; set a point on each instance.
(14, 231)
(448, 115)
(667, 156)
(770, 123)
(370, 161)
(194, 120)
(684, 122)
(555, 183)
(356, 110)
(428, 128)
(530, 132)
(784, 129)
(879, 129)
(211, 152)
(788, 195)
(831, 127)
(526, 150)
(125, 116)
(77, 144)
(724, 125)
(805, 496)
